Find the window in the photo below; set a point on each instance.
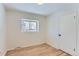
(30, 25)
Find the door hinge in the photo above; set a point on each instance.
(74, 49)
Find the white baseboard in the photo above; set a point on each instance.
(52, 45)
(25, 46)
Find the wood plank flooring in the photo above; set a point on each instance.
(38, 50)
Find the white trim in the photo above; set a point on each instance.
(29, 20)
(26, 45)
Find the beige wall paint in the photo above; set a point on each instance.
(16, 38)
(2, 30)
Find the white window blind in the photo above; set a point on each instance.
(29, 25)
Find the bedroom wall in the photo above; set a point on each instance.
(2, 30)
(16, 38)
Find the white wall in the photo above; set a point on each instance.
(2, 30)
(16, 38)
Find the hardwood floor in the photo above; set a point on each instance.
(38, 50)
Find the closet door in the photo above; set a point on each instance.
(68, 33)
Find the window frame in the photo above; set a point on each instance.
(29, 30)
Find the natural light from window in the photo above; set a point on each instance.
(30, 25)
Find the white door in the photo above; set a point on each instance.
(68, 33)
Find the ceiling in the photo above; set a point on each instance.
(45, 9)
